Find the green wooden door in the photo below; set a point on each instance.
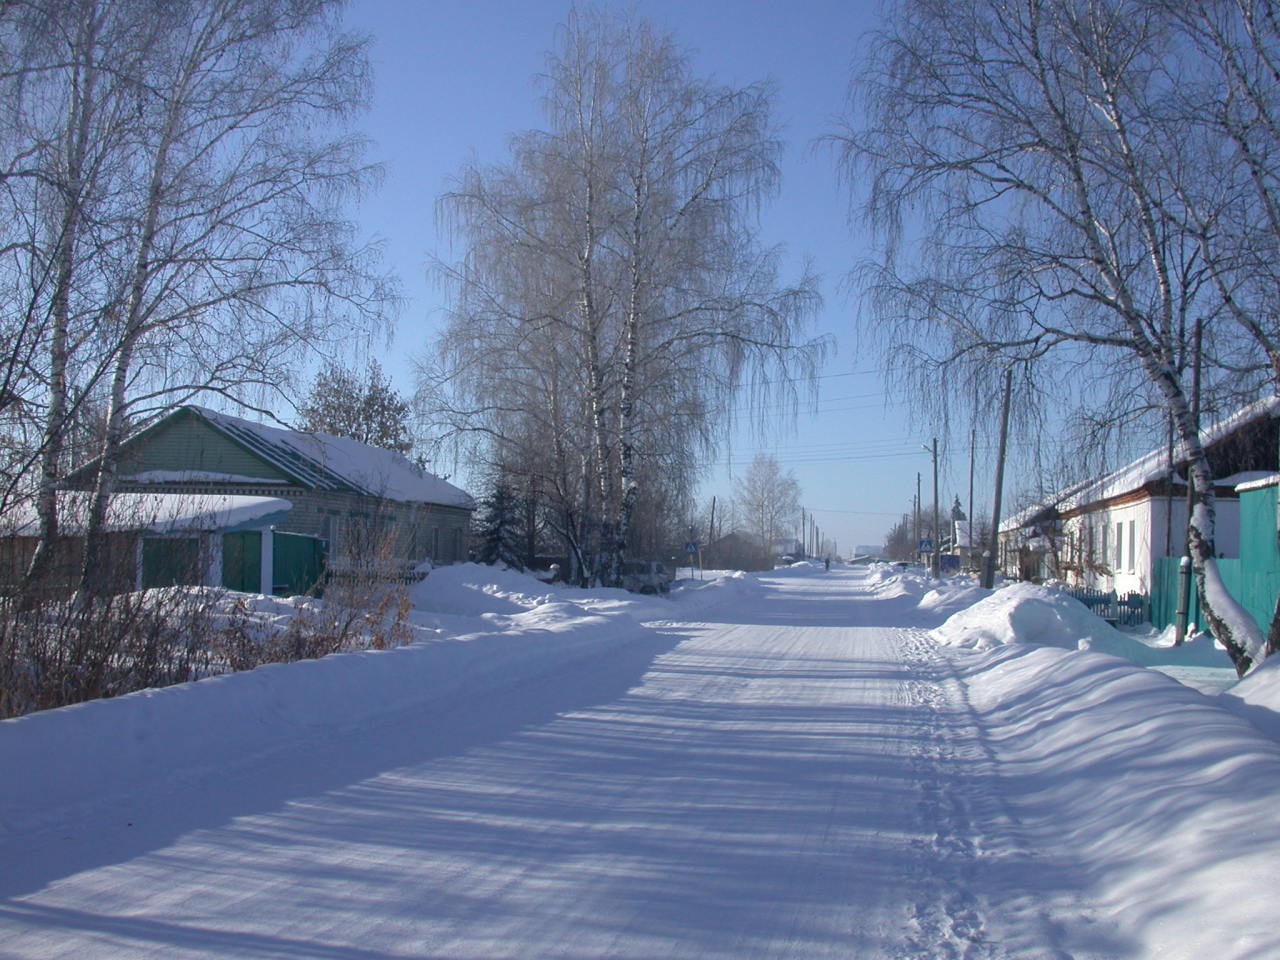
(297, 565)
(242, 561)
(170, 560)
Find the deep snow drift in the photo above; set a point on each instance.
(1133, 815)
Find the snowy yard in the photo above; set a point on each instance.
(793, 764)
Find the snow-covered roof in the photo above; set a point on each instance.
(155, 512)
(195, 476)
(1244, 478)
(327, 462)
(1265, 479)
(1151, 466)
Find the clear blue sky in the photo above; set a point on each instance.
(455, 79)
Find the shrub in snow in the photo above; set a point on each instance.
(59, 652)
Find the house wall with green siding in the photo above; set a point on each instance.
(187, 442)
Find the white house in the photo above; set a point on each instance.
(1109, 532)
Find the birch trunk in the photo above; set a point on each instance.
(80, 114)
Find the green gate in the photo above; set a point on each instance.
(242, 561)
(297, 565)
(168, 561)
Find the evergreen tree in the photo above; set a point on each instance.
(500, 527)
(365, 408)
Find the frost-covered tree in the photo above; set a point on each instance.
(613, 298)
(1091, 177)
(173, 218)
(769, 499)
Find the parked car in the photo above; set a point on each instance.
(645, 576)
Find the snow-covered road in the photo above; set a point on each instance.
(800, 775)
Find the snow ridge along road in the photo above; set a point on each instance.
(798, 774)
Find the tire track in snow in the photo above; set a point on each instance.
(949, 919)
(968, 908)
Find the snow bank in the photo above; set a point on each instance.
(94, 752)
(729, 586)
(472, 589)
(891, 582)
(104, 749)
(1257, 697)
(1168, 797)
(1026, 613)
(950, 597)
(1044, 616)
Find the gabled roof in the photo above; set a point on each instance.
(322, 461)
(1150, 467)
(315, 461)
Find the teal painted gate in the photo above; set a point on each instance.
(1253, 578)
(297, 565)
(242, 561)
(168, 561)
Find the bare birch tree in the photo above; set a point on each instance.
(173, 180)
(69, 81)
(769, 499)
(1037, 136)
(613, 298)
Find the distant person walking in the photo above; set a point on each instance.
(827, 564)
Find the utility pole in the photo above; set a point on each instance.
(937, 531)
(973, 446)
(917, 550)
(1184, 568)
(989, 565)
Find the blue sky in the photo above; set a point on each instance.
(453, 80)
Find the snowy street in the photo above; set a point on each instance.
(801, 772)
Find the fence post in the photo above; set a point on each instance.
(1184, 594)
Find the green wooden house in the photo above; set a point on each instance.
(340, 507)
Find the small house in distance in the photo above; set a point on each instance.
(345, 506)
(737, 551)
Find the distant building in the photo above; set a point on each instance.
(787, 547)
(737, 551)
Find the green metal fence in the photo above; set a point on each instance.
(1256, 589)
(1253, 578)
